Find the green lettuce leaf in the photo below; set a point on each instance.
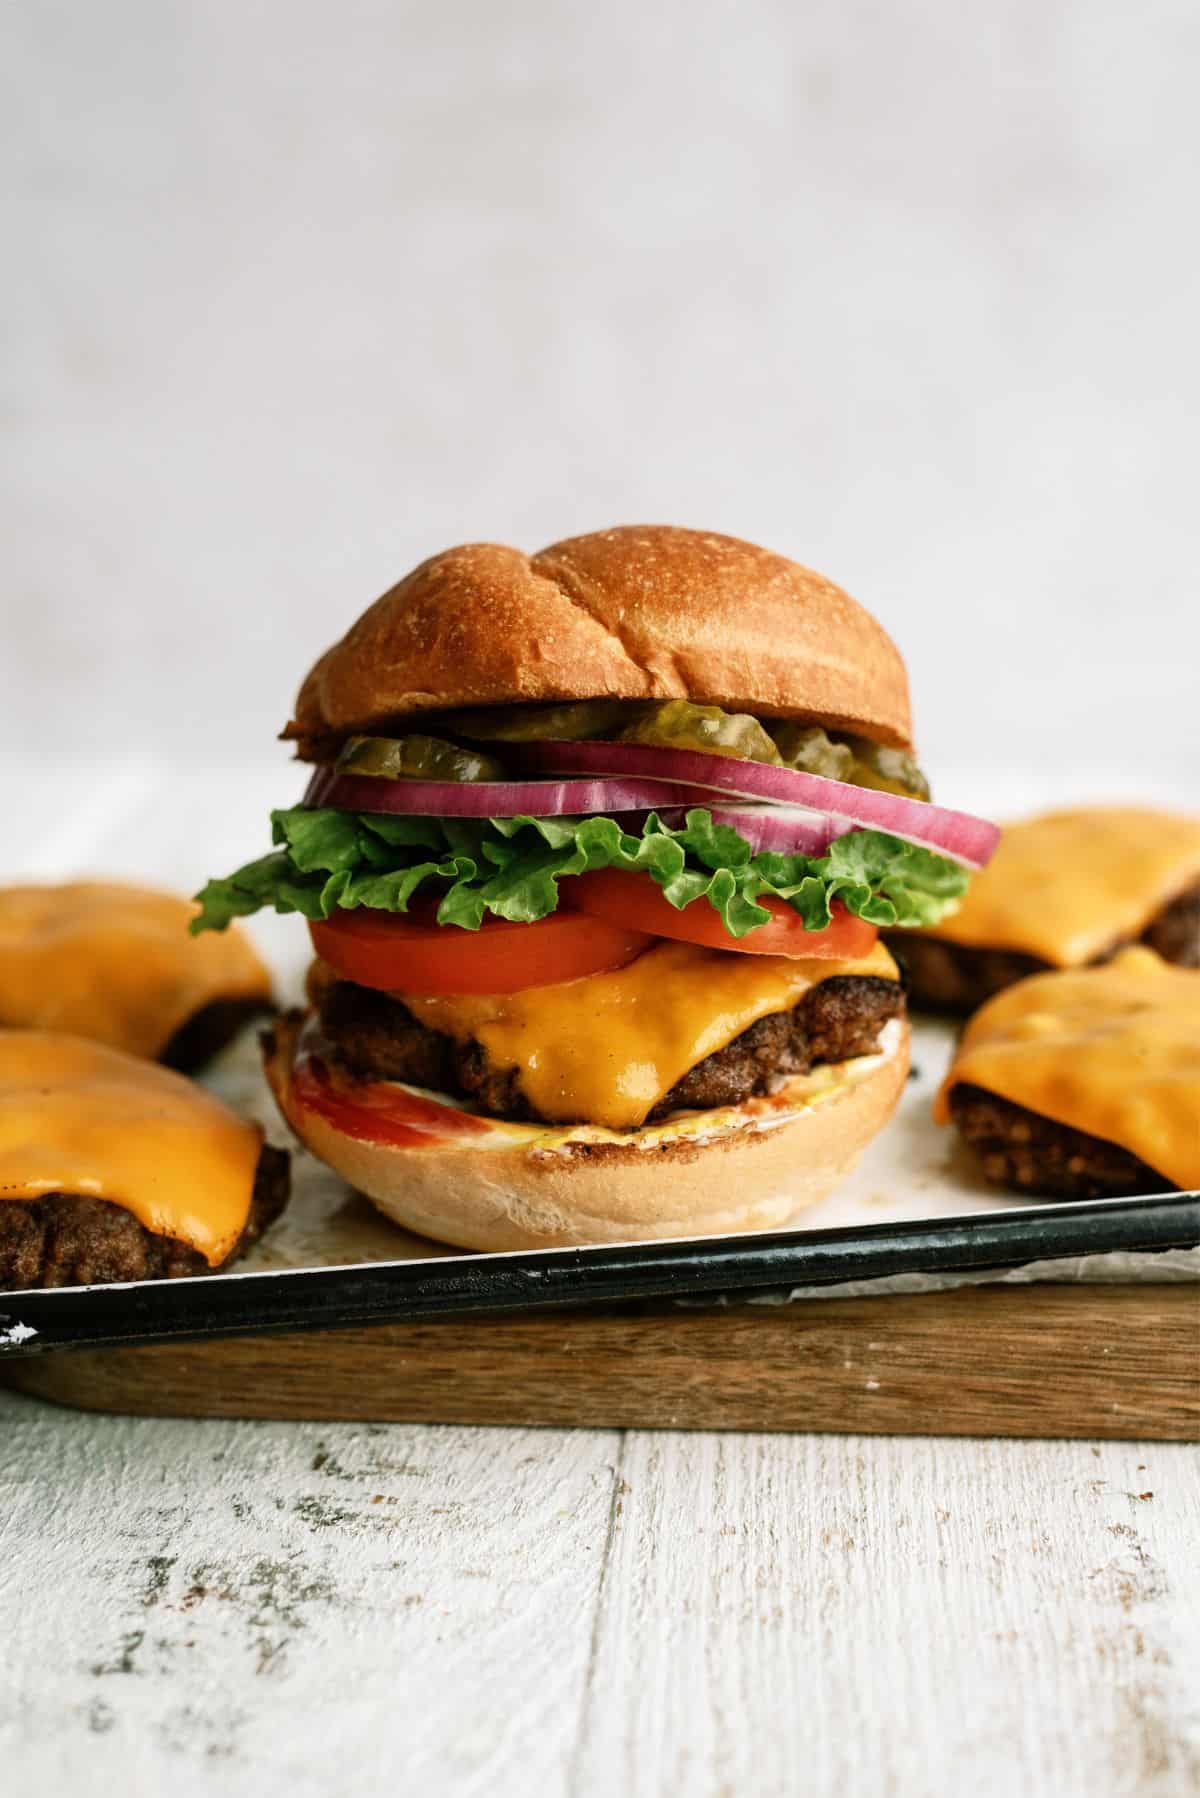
(511, 868)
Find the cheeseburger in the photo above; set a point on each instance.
(1064, 890)
(113, 962)
(1084, 1083)
(594, 859)
(113, 1168)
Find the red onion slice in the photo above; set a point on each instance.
(786, 829)
(955, 834)
(494, 798)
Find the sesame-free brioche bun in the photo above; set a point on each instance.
(639, 612)
(741, 1168)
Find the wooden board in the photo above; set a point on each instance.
(1043, 1360)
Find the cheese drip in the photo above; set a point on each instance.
(77, 1117)
(608, 1048)
(1113, 1051)
(1067, 886)
(115, 963)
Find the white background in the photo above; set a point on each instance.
(300, 293)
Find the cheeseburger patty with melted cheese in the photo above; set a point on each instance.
(1084, 1083)
(1065, 889)
(112, 1168)
(682, 1028)
(114, 962)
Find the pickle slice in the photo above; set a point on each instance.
(416, 758)
(678, 724)
(572, 721)
(856, 760)
(812, 750)
(888, 770)
(667, 724)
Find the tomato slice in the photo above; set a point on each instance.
(619, 897)
(410, 953)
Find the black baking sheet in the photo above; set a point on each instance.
(448, 1285)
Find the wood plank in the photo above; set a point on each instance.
(256, 1609)
(1100, 1361)
(830, 1614)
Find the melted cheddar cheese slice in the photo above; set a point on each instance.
(608, 1048)
(1067, 886)
(77, 1117)
(1113, 1051)
(115, 963)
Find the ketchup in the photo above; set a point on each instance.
(378, 1111)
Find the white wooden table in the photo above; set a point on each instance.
(243, 1608)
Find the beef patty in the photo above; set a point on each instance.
(63, 1239)
(210, 1030)
(377, 1037)
(945, 976)
(1022, 1149)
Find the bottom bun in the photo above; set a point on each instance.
(488, 1184)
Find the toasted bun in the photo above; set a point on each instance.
(745, 1167)
(640, 612)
